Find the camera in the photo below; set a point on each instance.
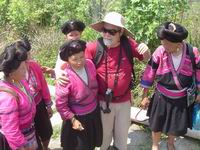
(109, 95)
(108, 99)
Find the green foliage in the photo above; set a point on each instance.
(24, 16)
(45, 45)
(144, 17)
(3, 11)
(65, 9)
(18, 15)
(89, 34)
(56, 132)
(191, 21)
(41, 20)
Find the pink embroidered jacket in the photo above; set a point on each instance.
(77, 98)
(160, 68)
(16, 115)
(38, 84)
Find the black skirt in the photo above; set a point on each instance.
(43, 125)
(169, 116)
(87, 139)
(3, 143)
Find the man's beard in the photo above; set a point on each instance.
(107, 42)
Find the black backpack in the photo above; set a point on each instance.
(127, 48)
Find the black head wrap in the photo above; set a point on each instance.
(71, 47)
(172, 32)
(72, 25)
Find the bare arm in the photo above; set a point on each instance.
(145, 100)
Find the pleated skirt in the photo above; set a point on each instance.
(169, 116)
(87, 139)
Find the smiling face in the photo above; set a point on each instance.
(112, 33)
(77, 60)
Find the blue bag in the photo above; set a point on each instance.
(196, 117)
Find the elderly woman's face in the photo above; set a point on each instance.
(170, 47)
(19, 73)
(77, 61)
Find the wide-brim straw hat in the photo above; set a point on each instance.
(113, 18)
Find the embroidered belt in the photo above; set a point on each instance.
(175, 94)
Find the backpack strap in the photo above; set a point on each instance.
(191, 53)
(10, 91)
(192, 58)
(128, 50)
(99, 51)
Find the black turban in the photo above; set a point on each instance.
(172, 32)
(72, 25)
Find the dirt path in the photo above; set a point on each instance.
(140, 139)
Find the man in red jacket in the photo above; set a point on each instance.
(114, 77)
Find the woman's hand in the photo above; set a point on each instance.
(62, 78)
(50, 112)
(144, 50)
(27, 148)
(22, 148)
(76, 125)
(145, 103)
(198, 98)
(47, 70)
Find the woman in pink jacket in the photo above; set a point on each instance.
(17, 108)
(41, 95)
(77, 101)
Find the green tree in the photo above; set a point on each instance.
(4, 4)
(144, 16)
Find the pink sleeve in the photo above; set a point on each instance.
(44, 87)
(45, 90)
(62, 107)
(10, 121)
(90, 50)
(149, 73)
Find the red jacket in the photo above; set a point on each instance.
(121, 90)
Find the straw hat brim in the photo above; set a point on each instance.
(99, 25)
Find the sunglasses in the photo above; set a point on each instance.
(110, 31)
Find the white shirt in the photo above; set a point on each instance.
(176, 60)
(82, 74)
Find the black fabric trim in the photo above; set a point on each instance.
(153, 64)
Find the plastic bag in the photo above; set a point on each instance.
(191, 94)
(196, 117)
